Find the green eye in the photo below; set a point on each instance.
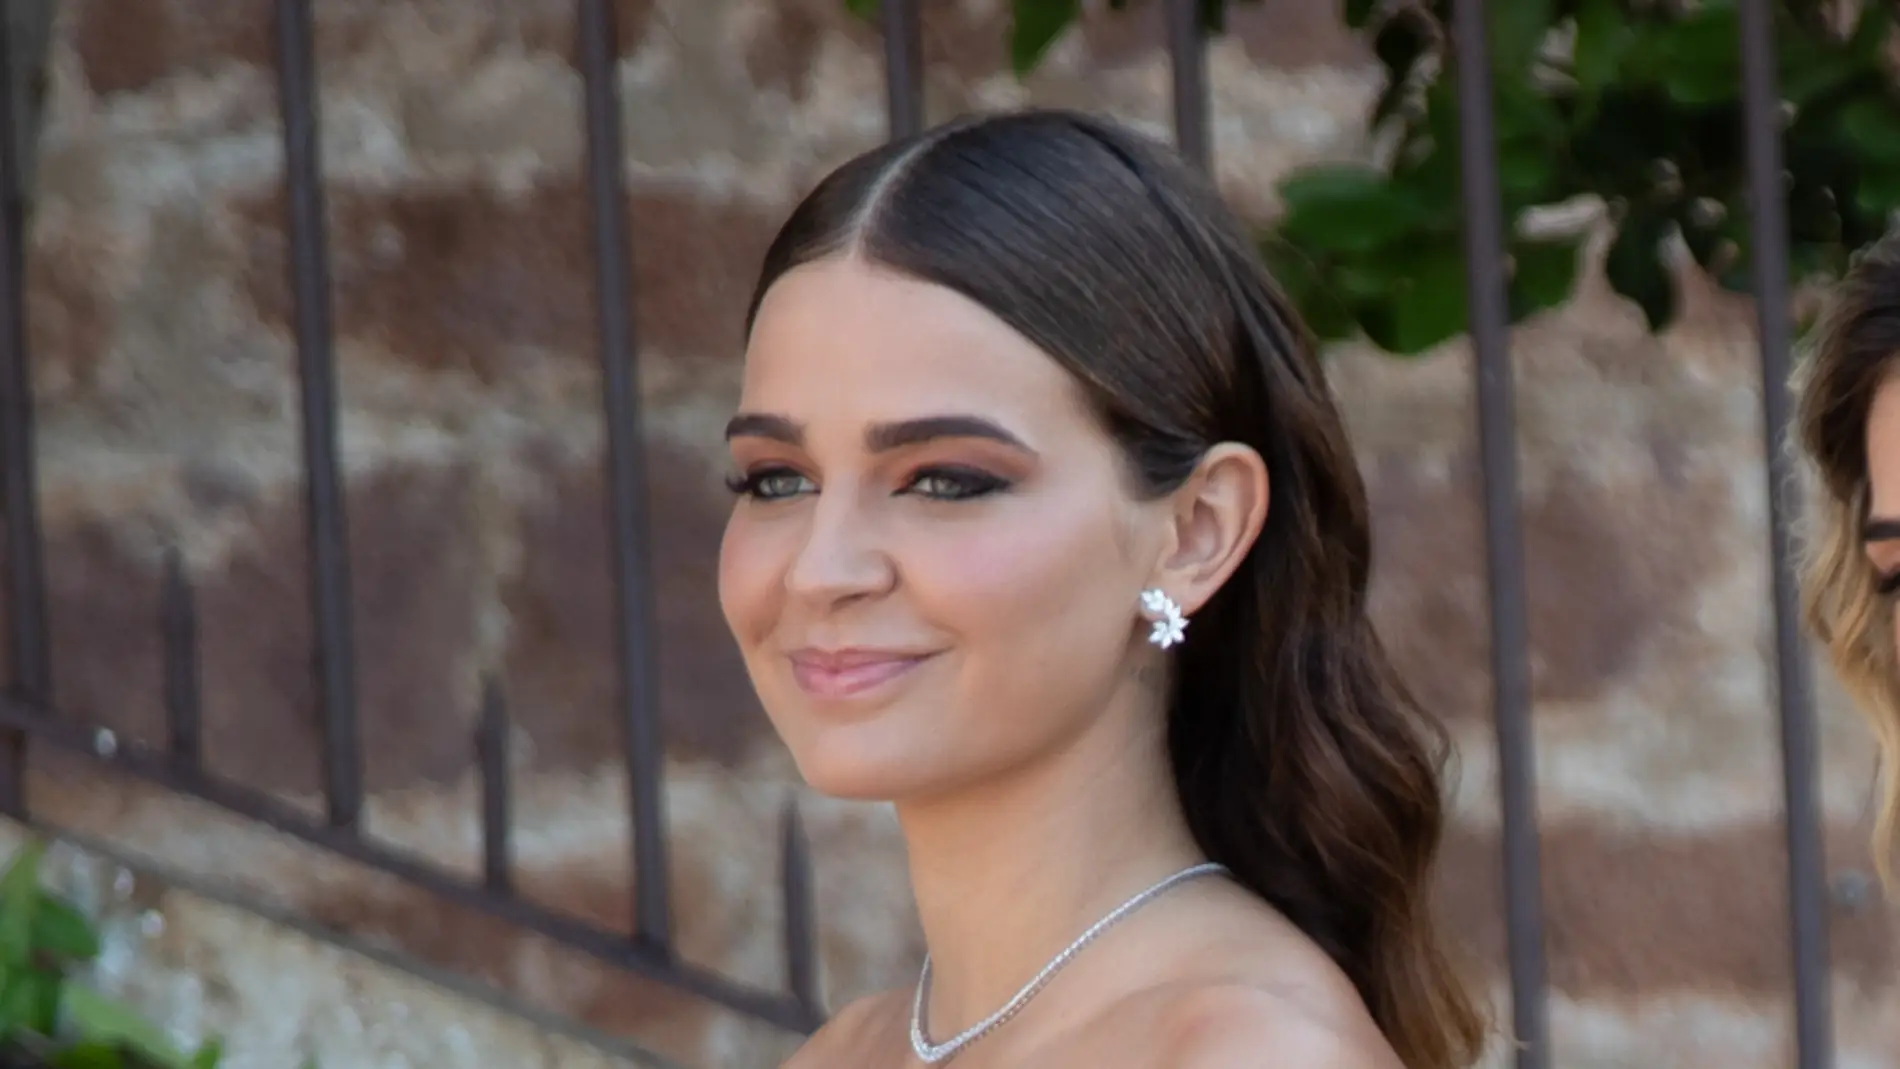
(770, 484)
(954, 484)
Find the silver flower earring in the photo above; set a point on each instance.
(1169, 622)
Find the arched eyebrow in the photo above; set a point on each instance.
(880, 437)
(1880, 529)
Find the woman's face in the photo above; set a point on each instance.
(934, 564)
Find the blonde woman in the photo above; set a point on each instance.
(1849, 425)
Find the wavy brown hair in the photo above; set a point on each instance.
(1301, 761)
(1856, 351)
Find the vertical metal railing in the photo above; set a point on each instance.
(29, 659)
(626, 478)
(1768, 241)
(491, 750)
(903, 68)
(328, 538)
(1187, 68)
(1503, 534)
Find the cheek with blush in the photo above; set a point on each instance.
(748, 583)
(1030, 589)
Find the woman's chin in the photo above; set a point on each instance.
(859, 776)
(854, 783)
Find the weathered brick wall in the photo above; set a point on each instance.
(463, 292)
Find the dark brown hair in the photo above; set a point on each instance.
(1300, 760)
(1856, 351)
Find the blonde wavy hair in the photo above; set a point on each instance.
(1856, 350)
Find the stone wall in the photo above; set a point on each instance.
(451, 133)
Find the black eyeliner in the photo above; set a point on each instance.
(973, 482)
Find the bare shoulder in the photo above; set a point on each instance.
(868, 1032)
(1232, 1025)
(1257, 992)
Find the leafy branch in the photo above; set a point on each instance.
(48, 1019)
(1635, 103)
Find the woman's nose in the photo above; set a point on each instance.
(842, 557)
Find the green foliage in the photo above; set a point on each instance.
(1635, 102)
(46, 1018)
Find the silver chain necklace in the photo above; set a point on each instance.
(935, 1053)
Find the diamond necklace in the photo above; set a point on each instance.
(935, 1053)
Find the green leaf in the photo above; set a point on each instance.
(1367, 282)
(1872, 123)
(1635, 267)
(16, 1004)
(30, 1001)
(1525, 113)
(1526, 172)
(1517, 30)
(1036, 26)
(1700, 57)
(1359, 12)
(1432, 174)
(59, 929)
(86, 1055)
(1307, 289)
(208, 1055)
(1878, 192)
(1807, 68)
(868, 10)
(1868, 42)
(98, 1019)
(1345, 207)
(19, 902)
(1603, 40)
(1427, 307)
(1544, 275)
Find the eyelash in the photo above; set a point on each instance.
(966, 484)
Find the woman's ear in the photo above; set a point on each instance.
(1217, 516)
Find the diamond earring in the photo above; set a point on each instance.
(1170, 622)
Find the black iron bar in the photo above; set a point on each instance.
(156, 767)
(491, 747)
(639, 698)
(801, 927)
(316, 365)
(1768, 239)
(27, 649)
(1187, 60)
(178, 623)
(1504, 537)
(903, 67)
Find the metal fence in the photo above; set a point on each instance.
(28, 711)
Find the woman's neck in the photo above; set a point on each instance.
(1007, 874)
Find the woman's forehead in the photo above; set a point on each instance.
(841, 339)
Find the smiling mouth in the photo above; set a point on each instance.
(835, 677)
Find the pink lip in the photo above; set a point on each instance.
(850, 673)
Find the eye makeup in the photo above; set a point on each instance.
(937, 482)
